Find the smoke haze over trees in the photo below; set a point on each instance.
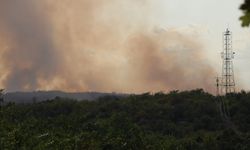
(92, 45)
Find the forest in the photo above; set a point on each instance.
(178, 120)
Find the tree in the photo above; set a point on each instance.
(245, 19)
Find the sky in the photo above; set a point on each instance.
(209, 19)
(130, 46)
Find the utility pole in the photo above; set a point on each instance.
(217, 86)
(1, 96)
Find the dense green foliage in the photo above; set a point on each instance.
(245, 19)
(175, 121)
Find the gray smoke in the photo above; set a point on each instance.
(30, 53)
(95, 45)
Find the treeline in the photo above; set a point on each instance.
(188, 120)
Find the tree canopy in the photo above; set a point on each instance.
(188, 120)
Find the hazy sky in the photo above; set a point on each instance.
(121, 46)
(207, 19)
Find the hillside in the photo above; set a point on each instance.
(39, 96)
(188, 120)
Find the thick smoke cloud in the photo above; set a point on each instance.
(30, 53)
(95, 45)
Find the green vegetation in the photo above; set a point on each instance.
(245, 18)
(187, 120)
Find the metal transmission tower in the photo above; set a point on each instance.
(227, 79)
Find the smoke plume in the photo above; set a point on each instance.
(95, 45)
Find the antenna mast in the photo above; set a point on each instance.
(227, 55)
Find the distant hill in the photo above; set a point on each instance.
(38, 96)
